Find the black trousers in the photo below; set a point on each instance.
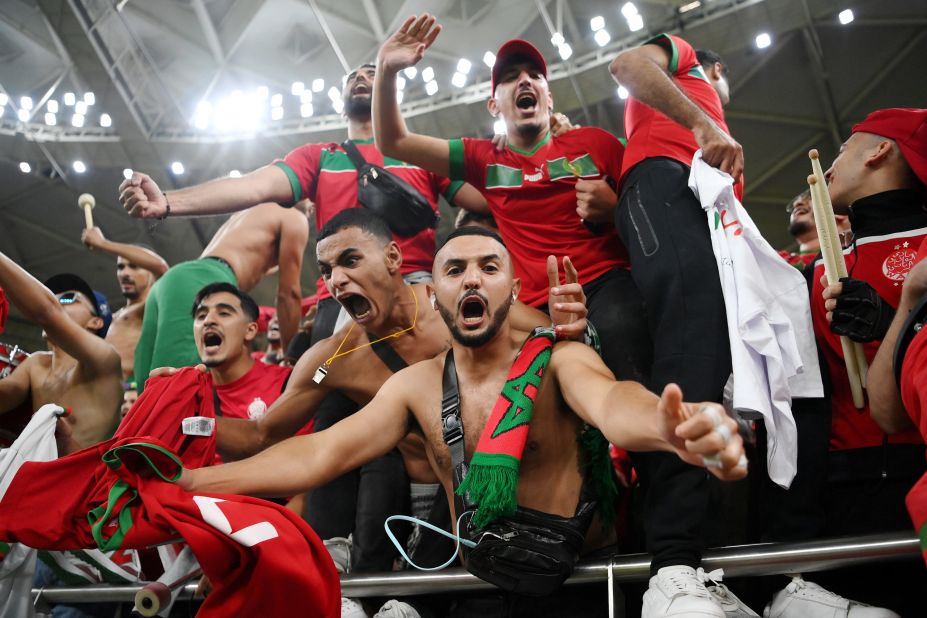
(665, 231)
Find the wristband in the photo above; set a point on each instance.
(167, 212)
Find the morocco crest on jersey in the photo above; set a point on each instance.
(899, 262)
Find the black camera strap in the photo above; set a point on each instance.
(452, 427)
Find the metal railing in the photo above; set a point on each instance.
(741, 560)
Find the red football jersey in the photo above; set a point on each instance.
(325, 174)
(652, 133)
(883, 262)
(532, 196)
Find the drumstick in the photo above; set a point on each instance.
(86, 203)
(834, 268)
(858, 351)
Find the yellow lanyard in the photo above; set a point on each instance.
(323, 369)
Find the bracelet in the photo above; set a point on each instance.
(166, 212)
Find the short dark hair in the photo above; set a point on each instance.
(473, 230)
(361, 218)
(708, 58)
(247, 303)
(466, 218)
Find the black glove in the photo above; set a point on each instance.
(861, 314)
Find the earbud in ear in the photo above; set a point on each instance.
(514, 297)
(434, 302)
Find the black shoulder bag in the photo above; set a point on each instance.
(528, 552)
(404, 209)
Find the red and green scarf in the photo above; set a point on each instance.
(492, 477)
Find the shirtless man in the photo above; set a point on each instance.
(137, 268)
(80, 371)
(246, 246)
(473, 288)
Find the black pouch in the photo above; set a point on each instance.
(529, 552)
(404, 209)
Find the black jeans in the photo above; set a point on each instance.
(665, 231)
(358, 502)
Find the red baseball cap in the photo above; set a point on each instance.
(908, 127)
(516, 48)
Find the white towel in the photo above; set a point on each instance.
(35, 443)
(768, 316)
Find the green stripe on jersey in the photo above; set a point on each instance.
(498, 175)
(295, 185)
(580, 167)
(699, 72)
(335, 161)
(666, 42)
(456, 168)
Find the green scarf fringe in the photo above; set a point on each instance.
(597, 462)
(491, 482)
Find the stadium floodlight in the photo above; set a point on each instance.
(305, 110)
(463, 66)
(431, 87)
(400, 83)
(597, 23)
(235, 174)
(459, 80)
(79, 166)
(410, 72)
(623, 92)
(24, 167)
(90, 98)
(296, 88)
(763, 40)
(318, 85)
(557, 39)
(602, 37)
(629, 10)
(565, 51)
(428, 74)
(50, 119)
(23, 115)
(846, 16)
(77, 120)
(177, 168)
(80, 108)
(498, 127)
(127, 173)
(25, 103)
(635, 23)
(489, 59)
(69, 99)
(52, 106)
(106, 120)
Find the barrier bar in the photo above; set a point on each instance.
(741, 560)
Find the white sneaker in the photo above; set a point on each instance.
(352, 609)
(801, 599)
(678, 591)
(340, 550)
(395, 608)
(732, 606)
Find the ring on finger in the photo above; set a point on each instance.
(725, 432)
(714, 414)
(712, 461)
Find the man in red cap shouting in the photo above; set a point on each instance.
(879, 178)
(541, 188)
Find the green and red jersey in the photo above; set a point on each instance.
(652, 133)
(532, 195)
(326, 175)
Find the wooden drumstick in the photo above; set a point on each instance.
(834, 269)
(86, 203)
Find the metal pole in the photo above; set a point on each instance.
(742, 560)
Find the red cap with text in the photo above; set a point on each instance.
(512, 49)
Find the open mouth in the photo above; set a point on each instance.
(472, 310)
(212, 342)
(361, 89)
(356, 305)
(526, 101)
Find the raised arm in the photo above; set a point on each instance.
(140, 256)
(644, 71)
(237, 438)
(39, 305)
(294, 235)
(404, 49)
(884, 399)
(305, 462)
(633, 418)
(142, 198)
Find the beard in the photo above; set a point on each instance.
(529, 130)
(357, 107)
(130, 294)
(214, 362)
(797, 228)
(474, 340)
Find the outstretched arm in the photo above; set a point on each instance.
(140, 256)
(238, 438)
(305, 462)
(644, 72)
(141, 196)
(884, 399)
(40, 306)
(404, 49)
(633, 418)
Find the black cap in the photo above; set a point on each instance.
(66, 282)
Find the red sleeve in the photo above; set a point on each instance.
(612, 152)
(921, 254)
(468, 160)
(302, 169)
(4, 309)
(681, 55)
